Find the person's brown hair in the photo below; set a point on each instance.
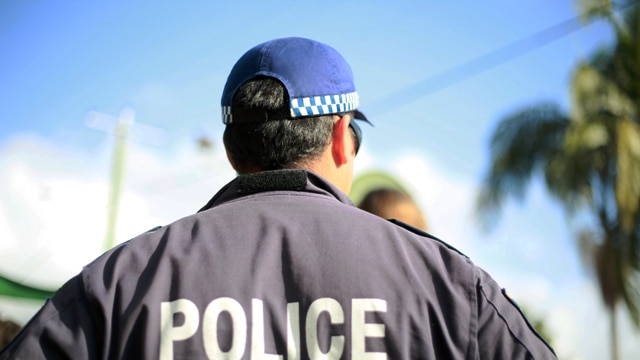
(390, 203)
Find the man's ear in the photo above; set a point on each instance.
(340, 144)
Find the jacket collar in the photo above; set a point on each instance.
(277, 180)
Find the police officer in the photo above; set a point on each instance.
(279, 264)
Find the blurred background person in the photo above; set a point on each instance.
(392, 203)
(384, 195)
(8, 330)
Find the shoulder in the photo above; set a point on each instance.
(125, 262)
(428, 256)
(427, 235)
(501, 321)
(432, 248)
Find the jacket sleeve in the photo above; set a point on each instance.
(503, 330)
(64, 328)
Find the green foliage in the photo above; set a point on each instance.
(538, 323)
(590, 159)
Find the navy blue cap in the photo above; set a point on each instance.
(319, 81)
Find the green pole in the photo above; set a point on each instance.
(117, 175)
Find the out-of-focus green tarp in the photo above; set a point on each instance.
(15, 289)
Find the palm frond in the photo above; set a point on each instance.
(596, 92)
(521, 144)
(595, 9)
(631, 295)
(590, 158)
(619, 62)
(628, 176)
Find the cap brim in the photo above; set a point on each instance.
(358, 115)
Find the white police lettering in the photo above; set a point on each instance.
(361, 330)
(293, 330)
(257, 333)
(210, 329)
(331, 308)
(170, 333)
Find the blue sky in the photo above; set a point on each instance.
(167, 62)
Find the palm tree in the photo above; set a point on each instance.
(590, 161)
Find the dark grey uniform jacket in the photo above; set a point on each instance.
(280, 265)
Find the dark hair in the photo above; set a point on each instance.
(276, 144)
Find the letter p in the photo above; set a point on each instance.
(170, 333)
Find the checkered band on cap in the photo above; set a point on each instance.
(312, 106)
(324, 105)
(226, 115)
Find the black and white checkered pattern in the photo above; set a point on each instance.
(323, 105)
(312, 106)
(226, 115)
